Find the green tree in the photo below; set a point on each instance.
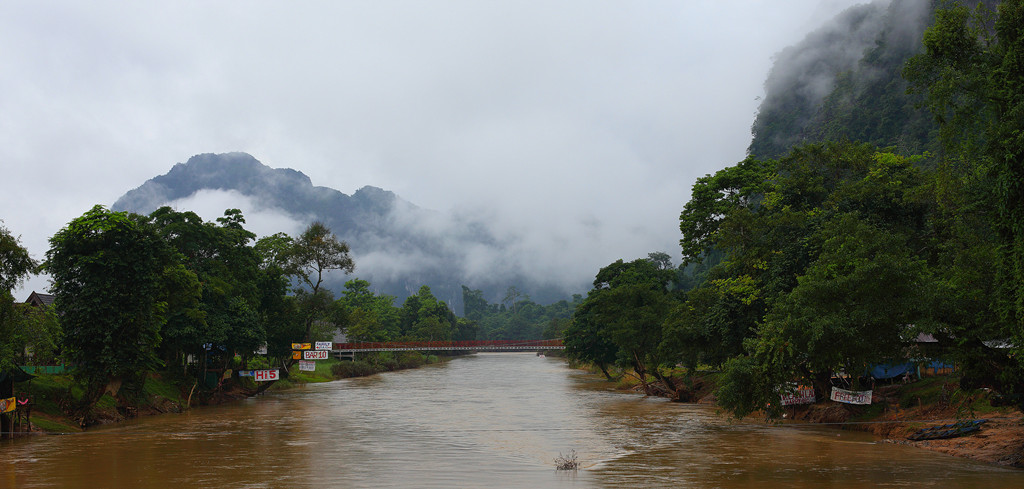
(278, 310)
(839, 316)
(586, 340)
(423, 317)
(106, 269)
(973, 77)
(473, 303)
(313, 254)
(366, 316)
(627, 308)
(15, 266)
(774, 224)
(214, 291)
(15, 262)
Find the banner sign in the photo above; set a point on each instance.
(301, 346)
(324, 345)
(8, 404)
(798, 395)
(264, 375)
(307, 366)
(851, 397)
(315, 355)
(245, 373)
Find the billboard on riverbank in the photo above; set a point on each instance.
(851, 397)
(799, 395)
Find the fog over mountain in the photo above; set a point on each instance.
(553, 138)
(841, 81)
(844, 81)
(396, 245)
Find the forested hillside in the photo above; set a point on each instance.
(844, 82)
(833, 247)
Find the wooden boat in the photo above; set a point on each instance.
(953, 430)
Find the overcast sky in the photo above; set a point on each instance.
(580, 125)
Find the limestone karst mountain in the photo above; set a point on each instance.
(397, 246)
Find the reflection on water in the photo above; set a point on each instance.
(488, 420)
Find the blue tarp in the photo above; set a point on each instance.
(886, 371)
(891, 371)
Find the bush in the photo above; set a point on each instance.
(382, 361)
(411, 359)
(358, 368)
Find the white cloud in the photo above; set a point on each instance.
(211, 204)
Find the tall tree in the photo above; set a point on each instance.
(215, 290)
(626, 308)
(15, 266)
(106, 269)
(313, 254)
(365, 315)
(972, 72)
(473, 303)
(15, 262)
(587, 341)
(801, 245)
(424, 317)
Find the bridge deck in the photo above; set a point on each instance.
(496, 345)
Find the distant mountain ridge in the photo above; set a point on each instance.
(280, 188)
(397, 246)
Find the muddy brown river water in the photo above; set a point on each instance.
(492, 420)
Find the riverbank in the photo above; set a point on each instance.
(51, 395)
(899, 410)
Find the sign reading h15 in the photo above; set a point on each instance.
(264, 375)
(315, 354)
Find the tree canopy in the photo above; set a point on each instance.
(106, 269)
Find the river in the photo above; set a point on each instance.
(491, 420)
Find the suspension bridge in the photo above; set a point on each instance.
(490, 345)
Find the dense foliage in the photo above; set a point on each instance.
(20, 328)
(107, 269)
(365, 316)
(517, 317)
(972, 73)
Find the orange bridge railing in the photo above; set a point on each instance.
(492, 345)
